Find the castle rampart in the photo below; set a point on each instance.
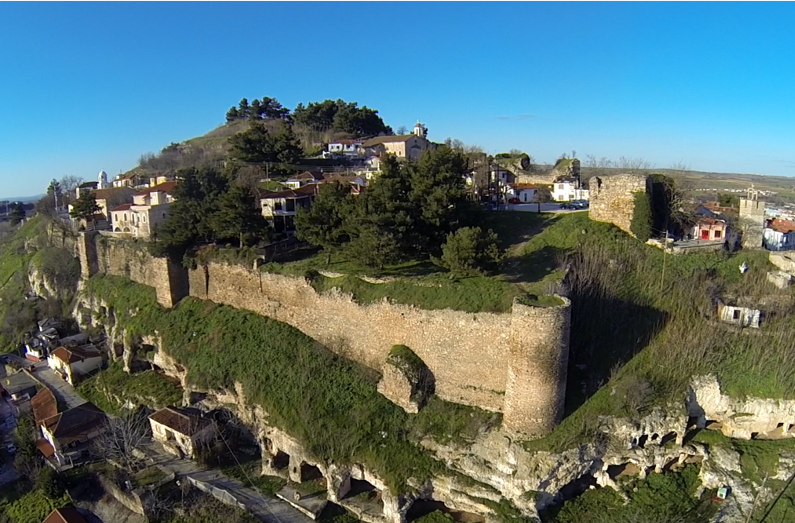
(513, 362)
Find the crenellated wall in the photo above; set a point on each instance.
(513, 362)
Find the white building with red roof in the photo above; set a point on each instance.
(148, 210)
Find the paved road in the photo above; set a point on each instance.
(533, 207)
(64, 393)
(271, 510)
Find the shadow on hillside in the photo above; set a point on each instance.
(533, 267)
(606, 333)
(511, 227)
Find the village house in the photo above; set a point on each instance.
(85, 187)
(44, 406)
(569, 189)
(523, 192)
(345, 147)
(20, 388)
(502, 176)
(779, 235)
(65, 515)
(305, 178)
(76, 363)
(709, 229)
(148, 210)
(66, 435)
(280, 208)
(410, 146)
(132, 180)
(182, 431)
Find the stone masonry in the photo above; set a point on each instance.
(613, 198)
(511, 362)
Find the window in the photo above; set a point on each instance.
(736, 314)
(717, 235)
(277, 205)
(560, 186)
(291, 205)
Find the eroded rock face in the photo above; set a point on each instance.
(739, 418)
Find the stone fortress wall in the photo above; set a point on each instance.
(612, 198)
(514, 363)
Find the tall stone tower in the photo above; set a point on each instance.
(752, 219)
(102, 180)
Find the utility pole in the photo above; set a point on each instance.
(665, 246)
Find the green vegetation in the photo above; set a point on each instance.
(85, 207)
(111, 388)
(437, 516)
(302, 386)
(470, 251)
(257, 110)
(22, 503)
(642, 219)
(450, 422)
(59, 266)
(666, 497)
(477, 294)
(341, 116)
(148, 476)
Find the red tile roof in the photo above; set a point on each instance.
(76, 423)
(44, 447)
(123, 207)
(782, 226)
(165, 187)
(44, 405)
(76, 354)
(711, 222)
(65, 515)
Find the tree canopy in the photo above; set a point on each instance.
(342, 116)
(258, 145)
(258, 109)
(17, 213)
(85, 207)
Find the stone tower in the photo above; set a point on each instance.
(752, 219)
(102, 180)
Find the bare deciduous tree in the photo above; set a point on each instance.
(121, 436)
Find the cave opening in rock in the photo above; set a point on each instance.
(671, 436)
(280, 460)
(310, 472)
(365, 497)
(423, 507)
(642, 441)
(622, 470)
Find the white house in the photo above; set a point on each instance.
(75, 363)
(305, 178)
(181, 431)
(280, 208)
(779, 235)
(568, 189)
(64, 435)
(148, 210)
(524, 192)
(345, 147)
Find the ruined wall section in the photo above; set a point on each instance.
(512, 362)
(612, 198)
(467, 353)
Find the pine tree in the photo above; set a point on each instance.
(85, 207)
(324, 223)
(17, 213)
(237, 216)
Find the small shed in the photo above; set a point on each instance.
(740, 316)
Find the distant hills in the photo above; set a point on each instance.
(34, 198)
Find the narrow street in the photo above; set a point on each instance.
(271, 510)
(64, 393)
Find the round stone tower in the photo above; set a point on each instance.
(539, 351)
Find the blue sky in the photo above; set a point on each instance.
(86, 87)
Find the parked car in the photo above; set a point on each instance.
(513, 200)
(580, 204)
(567, 205)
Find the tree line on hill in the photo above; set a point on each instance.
(328, 115)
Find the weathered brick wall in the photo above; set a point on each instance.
(512, 362)
(612, 198)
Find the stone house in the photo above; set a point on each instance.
(147, 211)
(410, 146)
(280, 208)
(75, 363)
(710, 229)
(66, 435)
(182, 431)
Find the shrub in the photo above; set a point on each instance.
(642, 219)
(469, 251)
